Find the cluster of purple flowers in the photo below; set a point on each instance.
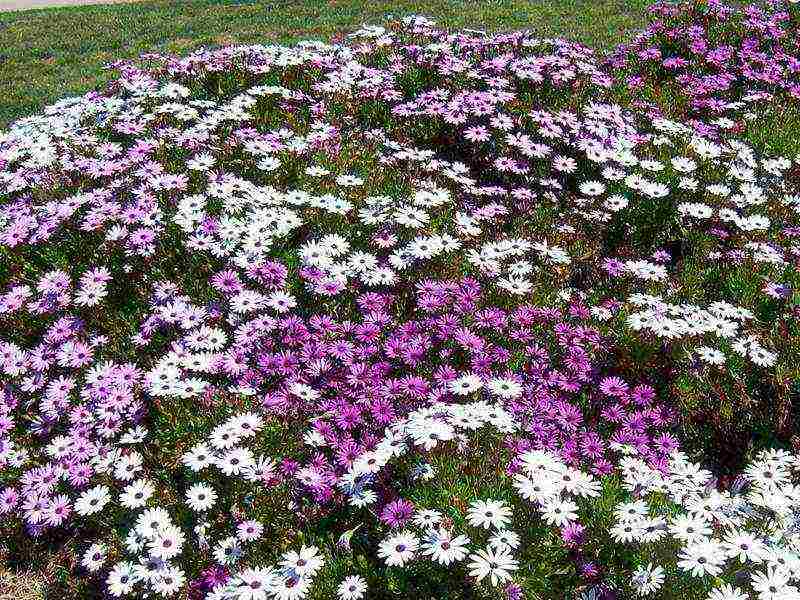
(716, 54)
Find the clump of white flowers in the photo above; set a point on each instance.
(741, 541)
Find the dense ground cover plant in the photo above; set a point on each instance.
(422, 313)
(710, 61)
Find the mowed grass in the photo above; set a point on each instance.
(52, 53)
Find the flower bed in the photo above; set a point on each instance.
(421, 314)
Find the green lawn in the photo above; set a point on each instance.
(52, 53)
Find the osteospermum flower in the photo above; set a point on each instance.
(559, 512)
(94, 557)
(361, 498)
(613, 386)
(466, 384)
(703, 558)
(198, 458)
(443, 547)
(504, 538)
(255, 583)
(249, 531)
(488, 514)
(352, 587)
(773, 583)
(136, 494)
(168, 543)
(428, 433)
(121, 579)
(631, 511)
(427, 518)
(151, 521)
(92, 500)
(200, 497)
(627, 532)
(647, 579)
(744, 546)
(289, 587)
(398, 549)
(57, 510)
(495, 564)
(505, 388)
(592, 188)
(228, 551)
(711, 356)
(727, 592)
(397, 513)
(690, 528)
(305, 562)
